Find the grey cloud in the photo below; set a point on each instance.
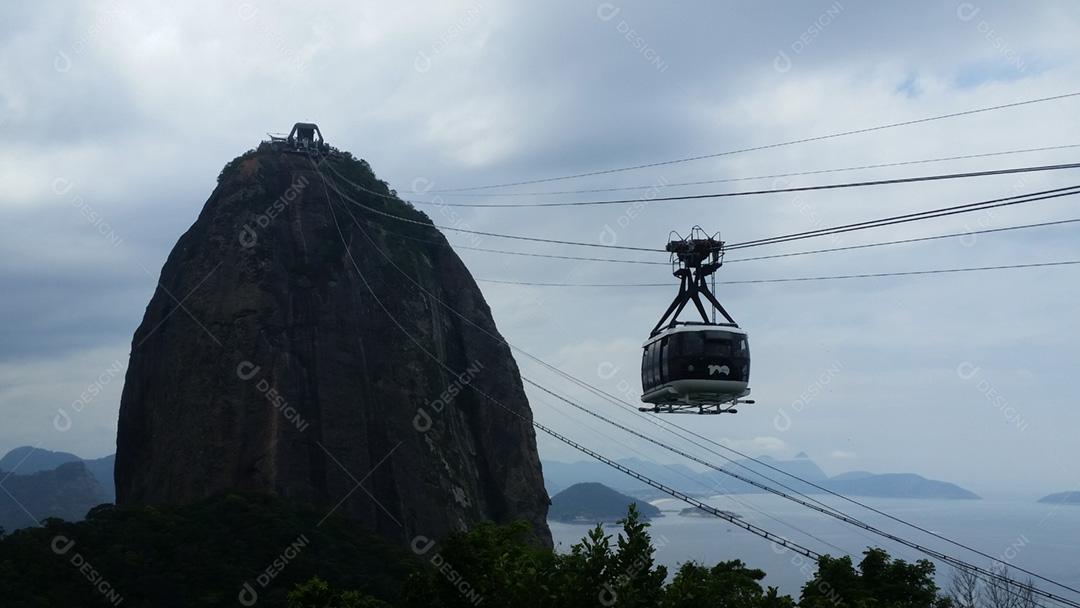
(155, 103)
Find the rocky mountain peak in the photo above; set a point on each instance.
(303, 344)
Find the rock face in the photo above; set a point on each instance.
(297, 346)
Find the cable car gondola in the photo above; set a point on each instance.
(695, 367)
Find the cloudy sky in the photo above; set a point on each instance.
(116, 118)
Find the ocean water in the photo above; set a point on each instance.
(1039, 537)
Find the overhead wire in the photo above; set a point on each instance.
(761, 147)
(1007, 201)
(714, 195)
(719, 486)
(752, 528)
(954, 270)
(966, 233)
(483, 233)
(500, 340)
(356, 222)
(792, 279)
(906, 218)
(660, 185)
(680, 430)
(747, 457)
(832, 512)
(456, 246)
(909, 240)
(617, 467)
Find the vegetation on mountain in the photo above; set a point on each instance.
(260, 550)
(498, 566)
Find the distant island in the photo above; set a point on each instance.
(594, 503)
(1062, 498)
(852, 483)
(898, 485)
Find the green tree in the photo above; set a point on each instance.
(317, 593)
(493, 565)
(635, 579)
(586, 569)
(879, 581)
(729, 584)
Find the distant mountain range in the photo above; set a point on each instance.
(594, 503)
(41, 483)
(1063, 498)
(27, 460)
(559, 475)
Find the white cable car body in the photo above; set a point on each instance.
(696, 365)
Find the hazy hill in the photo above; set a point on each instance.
(899, 485)
(593, 503)
(850, 475)
(67, 492)
(710, 482)
(1063, 498)
(26, 460)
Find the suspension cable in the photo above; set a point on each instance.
(793, 279)
(731, 519)
(714, 195)
(943, 557)
(762, 147)
(657, 186)
(915, 216)
(956, 562)
(911, 217)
